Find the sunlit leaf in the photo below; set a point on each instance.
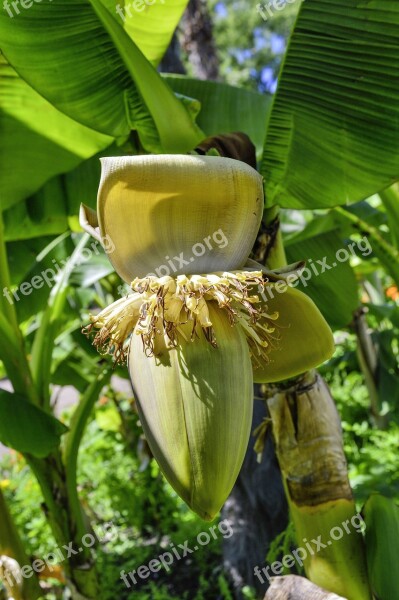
(150, 23)
(333, 135)
(37, 140)
(78, 56)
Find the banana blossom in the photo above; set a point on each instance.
(203, 322)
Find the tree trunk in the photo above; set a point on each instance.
(171, 61)
(257, 512)
(197, 40)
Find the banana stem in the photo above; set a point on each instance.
(276, 257)
(67, 522)
(308, 440)
(269, 247)
(11, 547)
(13, 353)
(5, 282)
(309, 448)
(390, 200)
(72, 443)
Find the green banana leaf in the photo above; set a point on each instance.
(55, 207)
(52, 320)
(150, 23)
(37, 141)
(333, 135)
(225, 108)
(36, 262)
(326, 221)
(43, 214)
(26, 428)
(381, 516)
(80, 58)
(330, 283)
(390, 200)
(23, 256)
(81, 184)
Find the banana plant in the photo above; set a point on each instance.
(62, 128)
(335, 110)
(318, 154)
(56, 203)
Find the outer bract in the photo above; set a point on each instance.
(195, 404)
(301, 341)
(174, 215)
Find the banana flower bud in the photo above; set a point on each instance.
(197, 337)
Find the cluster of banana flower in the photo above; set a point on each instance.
(197, 339)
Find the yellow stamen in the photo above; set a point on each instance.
(164, 304)
(115, 324)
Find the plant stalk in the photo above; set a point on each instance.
(12, 352)
(308, 439)
(11, 547)
(72, 443)
(67, 524)
(368, 361)
(309, 448)
(390, 200)
(5, 281)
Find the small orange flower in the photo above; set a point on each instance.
(392, 292)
